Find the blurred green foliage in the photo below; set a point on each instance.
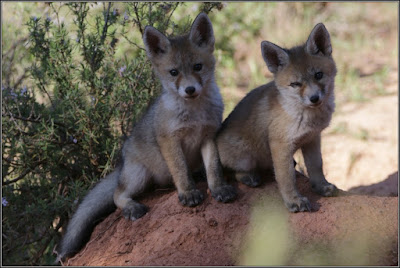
(271, 240)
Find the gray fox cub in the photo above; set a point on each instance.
(175, 136)
(274, 120)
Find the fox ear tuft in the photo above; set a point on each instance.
(201, 32)
(319, 41)
(155, 42)
(274, 56)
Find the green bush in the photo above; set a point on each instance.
(91, 80)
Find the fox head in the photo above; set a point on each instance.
(305, 73)
(184, 64)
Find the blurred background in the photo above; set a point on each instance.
(75, 78)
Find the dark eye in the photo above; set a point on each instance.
(174, 72)
(197, 67)
(295, 84)
(318, 75)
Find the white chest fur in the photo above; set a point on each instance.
(307, 122)
(197, 113)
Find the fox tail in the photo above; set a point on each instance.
(97, 204)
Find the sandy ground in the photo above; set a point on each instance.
(368, 152)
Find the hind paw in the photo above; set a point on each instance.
(251, 180)
(325, 189)
(134, 211)
(224, 193)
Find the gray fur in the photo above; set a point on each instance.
(170, 141)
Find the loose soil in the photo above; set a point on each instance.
(215, 233)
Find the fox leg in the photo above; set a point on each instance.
(233, 156)
(134, 178)
(173, 154)
(282, 158)
(220, 190)
(313, 160)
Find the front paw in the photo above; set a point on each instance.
(325, 189)
(191, 198)
(224, 193)
(298, 204)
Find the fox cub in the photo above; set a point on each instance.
(274, 120)
(175, 136)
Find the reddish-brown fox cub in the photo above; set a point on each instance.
(274, 120)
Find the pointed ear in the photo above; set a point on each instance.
(274, 56)
(202, 33)
(319, 41)
(155, 42)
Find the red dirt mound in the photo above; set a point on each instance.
(215, 234)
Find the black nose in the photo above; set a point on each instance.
(190, 90)
(314, 98)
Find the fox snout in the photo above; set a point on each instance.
(191, 92)
(315, 99)
(313, 96)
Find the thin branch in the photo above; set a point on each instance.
(37, 120)
(123, 124)
(103, 36)
(150, 16)
(21, 78)
(40, 252)
(9, 172)
(132, 43)
(26, 242)
(14, 46)
(137, 18)
(26, 172)
(12, 119)
(172, 12)
(18, 178)
(56, 11)
(10, 162)
(47, 93)
(9, 60)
